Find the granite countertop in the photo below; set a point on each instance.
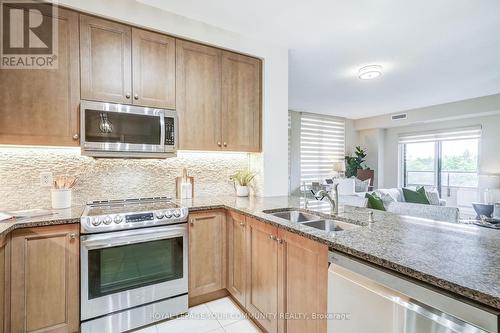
(53, 216)
(459, 258)
(462, 259)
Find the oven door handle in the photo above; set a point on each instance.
(112, 239)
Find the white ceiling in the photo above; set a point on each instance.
(432, 51)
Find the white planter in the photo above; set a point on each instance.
(61, 198)
(241, 191)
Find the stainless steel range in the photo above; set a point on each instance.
(134, 263)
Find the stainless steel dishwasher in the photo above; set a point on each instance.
(364, 299)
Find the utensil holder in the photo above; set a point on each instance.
(61, 198)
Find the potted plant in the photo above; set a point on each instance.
(242, 180)
(355, 165)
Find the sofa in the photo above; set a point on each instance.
(394, 202)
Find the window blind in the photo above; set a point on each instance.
(442, 135)
(322, 142)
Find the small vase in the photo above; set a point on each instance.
(61, 198)
(241, 191)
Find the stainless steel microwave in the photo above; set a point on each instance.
(118, 130)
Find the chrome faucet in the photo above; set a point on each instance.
(334, 202)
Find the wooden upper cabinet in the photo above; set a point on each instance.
(241, 102)
(303, 269)
(198, 96)
(237, 256)
(153, 63)
(40, 106)
(207, 252)
(106, 68)
(44, 279)
(262, 274)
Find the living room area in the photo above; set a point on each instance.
(439, 162)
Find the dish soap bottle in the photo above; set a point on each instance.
(186, 186)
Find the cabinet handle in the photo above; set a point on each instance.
(75, 137)
(127, 95)
(225, 144)
(281, 241)
(242, 224)
(136, 96)
(218, 143)
(272, 237)
(191, 221)
(72, 236)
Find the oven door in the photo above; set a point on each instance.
(109, 127)
(125, 269)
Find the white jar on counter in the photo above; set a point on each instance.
(61, 198)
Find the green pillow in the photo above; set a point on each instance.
(417, 196)
(374, 201)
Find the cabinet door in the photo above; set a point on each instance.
(39, 106)
(4, 287)
(237, 256)
(153, 63)
(207, 255)
(262, 274)
(106, 68)
(198, 96)
(44, 276)
(241, 102)
(303, 269)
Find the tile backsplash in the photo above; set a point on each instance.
(100, 179)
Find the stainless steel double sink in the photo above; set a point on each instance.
(314, 221)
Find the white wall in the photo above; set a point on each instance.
(380, 134)
(372, 141)
(489, 161)
(273, 163)
(474, 107)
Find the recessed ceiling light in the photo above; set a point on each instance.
(370, 72)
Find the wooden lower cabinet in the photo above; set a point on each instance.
(4, 284)
(237, 256)
(277, 276)
(262, 274)
(207, 253)
(303, 270)
(44, 279)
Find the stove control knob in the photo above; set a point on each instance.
(96, 221)
(177, 213)
(159, 215)
(168, 214)
(107, 220)
(118, 219)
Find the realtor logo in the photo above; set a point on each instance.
(29, 35)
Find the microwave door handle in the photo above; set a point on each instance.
(162, 130)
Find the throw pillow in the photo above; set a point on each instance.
(374, 201)
(387, 199)
(433, 197)
(417, 196)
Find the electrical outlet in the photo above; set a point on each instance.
(46, 179)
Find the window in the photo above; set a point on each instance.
(446, 160)
(420, 164)
(315, 142)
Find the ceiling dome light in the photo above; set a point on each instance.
(370, 72)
